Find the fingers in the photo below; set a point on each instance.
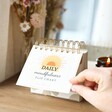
(97, 79)
(94, 85)
(85, 92)
(91, 85)
(92, 75)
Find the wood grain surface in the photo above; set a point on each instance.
(19, 99)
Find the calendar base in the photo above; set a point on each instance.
(71, 96)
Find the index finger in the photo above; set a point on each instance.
(92, 75)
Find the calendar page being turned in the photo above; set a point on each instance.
(51, 64)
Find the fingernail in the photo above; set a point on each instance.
(73, 89)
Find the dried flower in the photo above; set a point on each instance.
(26, 3)
(36, 1)
(59, 25)
(55, 9)
(29, 13)
(37, 20)
(25, 26)
(12, 1)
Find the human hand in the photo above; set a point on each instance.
(95, 86)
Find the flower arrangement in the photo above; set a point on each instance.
(31, 17)
(53, 22)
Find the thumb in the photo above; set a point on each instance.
(85, 92)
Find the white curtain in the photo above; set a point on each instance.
(88, 20)
(78, 20)
(102, 27)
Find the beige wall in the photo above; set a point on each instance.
(11, 41)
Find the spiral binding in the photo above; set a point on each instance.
(63, 45)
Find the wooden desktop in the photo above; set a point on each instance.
(19, 99)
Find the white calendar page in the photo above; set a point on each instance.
(49, 70)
